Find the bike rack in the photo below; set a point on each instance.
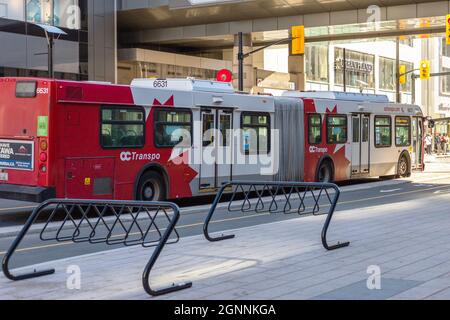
(133, 223)
(278, 197)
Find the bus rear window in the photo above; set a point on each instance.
(26, 89)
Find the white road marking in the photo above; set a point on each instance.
(390, 191)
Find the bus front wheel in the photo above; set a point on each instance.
(151, 187)
(403, 168)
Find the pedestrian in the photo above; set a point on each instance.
(437, 143)
(446, 141)
(429, 143)
(443, 144)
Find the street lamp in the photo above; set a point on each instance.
(52, 33)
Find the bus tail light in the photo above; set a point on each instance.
(43, 168)
(43, 157)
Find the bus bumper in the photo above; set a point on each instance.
(26, 193)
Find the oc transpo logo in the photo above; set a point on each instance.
(127, 156)
(313, 149)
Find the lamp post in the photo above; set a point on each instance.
(52, 33)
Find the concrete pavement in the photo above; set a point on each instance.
(398, 227)
(408, 242)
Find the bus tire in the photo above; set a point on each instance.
(325, 172)
(151, 187)
(403, 170)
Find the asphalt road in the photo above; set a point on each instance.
(33, 250)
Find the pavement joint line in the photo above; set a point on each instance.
(230, 219)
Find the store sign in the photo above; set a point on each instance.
(15, 154)
(444, 108)
(353, 65)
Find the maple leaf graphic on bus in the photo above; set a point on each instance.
(169, 103)
(341, 162)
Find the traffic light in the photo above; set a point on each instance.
(425, 70)
(447, 28)
(402, 74)
(298, 40)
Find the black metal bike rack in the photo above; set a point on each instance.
(130, 223)
(278, 197)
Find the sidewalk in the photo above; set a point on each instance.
(409, 241)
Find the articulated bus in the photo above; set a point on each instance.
(163, 139)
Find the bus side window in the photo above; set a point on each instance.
(336, 129)
(173, 127)
(122, 127)
(315, 129)
(383, 132)
(402, 131)
(256, 133)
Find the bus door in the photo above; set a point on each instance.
(360, 144)
(216, 166)
(417, 146)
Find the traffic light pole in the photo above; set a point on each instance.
(414, 77)
(241, 56)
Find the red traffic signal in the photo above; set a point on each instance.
(224, 75)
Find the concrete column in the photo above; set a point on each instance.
(297, 71)
(249, 73)
(102, 25)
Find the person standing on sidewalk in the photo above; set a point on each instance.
(429, 143)
(445, 146)
(437, 143)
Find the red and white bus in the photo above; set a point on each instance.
(90, 140)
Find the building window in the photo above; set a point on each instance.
(336, 129)
(383, 132)
(256, 133)
(122, 127)
(445, 48)
(67, 14)
(173, 127)
(388, 75)
(359, 69)
(61, 13)
(40, 11)
(315, 129)
(12, 9)
(316, 62)
(445, 82)
(402, 131)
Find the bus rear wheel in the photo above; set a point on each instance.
(151, 187)
(325, 172)
(403, 168)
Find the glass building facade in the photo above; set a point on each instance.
(26, 52)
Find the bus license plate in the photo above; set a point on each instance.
(3, 176)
